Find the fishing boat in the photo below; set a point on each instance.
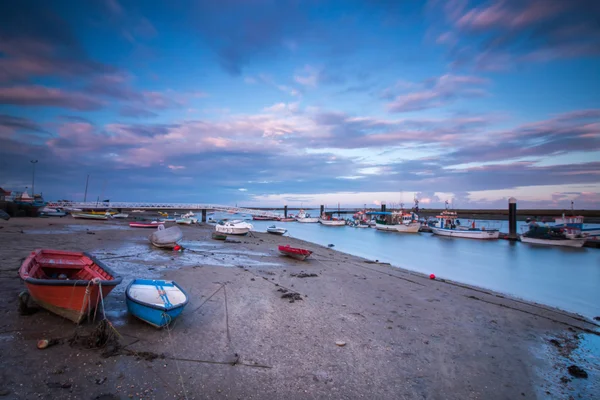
(263, 218)
(294, 252)
(306, 218)
(82, 215)
(120, 216)
(152, 224)
(69, 284)
(286, 219)
(328, 220)
(52, 212)
(448, 224)
(156, 302)
(166, 237)
(185, 221)
(551, 236)
(138, 211)
(235, 227)
(219, 236)
(275, 230)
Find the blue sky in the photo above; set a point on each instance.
(315, 102)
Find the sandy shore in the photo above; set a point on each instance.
(406, 337)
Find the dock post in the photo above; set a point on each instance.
(204, 215)
(285, 211)
(383, 207)
(322, 210)
(512, 219)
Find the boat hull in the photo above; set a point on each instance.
(277, 231)
(71, 299)
(409, 228)
(548, 242)
(327, 222)
(465, 234)
(384, 227)
(297, 253)
(232, 230)
(99, 217)
(143, 225)
(155, 314)
(308, 220)
(166, 238)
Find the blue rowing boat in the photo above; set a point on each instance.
(156, 302)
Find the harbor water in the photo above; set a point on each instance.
(567, 278)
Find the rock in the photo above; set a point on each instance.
(555, 343)
(4, 392)
(577, 372)
(596, 318)
(331, 245)
(340, 343)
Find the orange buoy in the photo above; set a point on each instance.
(177, 248)
(432, 276)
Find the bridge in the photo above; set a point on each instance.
(159, 207)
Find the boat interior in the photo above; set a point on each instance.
(156, 292)
(65, 266)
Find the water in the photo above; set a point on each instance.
(567, 278)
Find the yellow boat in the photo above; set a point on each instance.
(163, 214)
(103, 212)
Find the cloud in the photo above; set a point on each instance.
(500, 34)
(176, 167)
(37, 42)
(438, 92)
(33, 95)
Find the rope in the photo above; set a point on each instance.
(168, 318)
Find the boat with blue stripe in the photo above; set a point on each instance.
(156, 302)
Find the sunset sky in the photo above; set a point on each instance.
(260, 102)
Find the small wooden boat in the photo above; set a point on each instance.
(166, 237)
(156, 302)
(295, 252)
(186, 221)
(219, 236)
(287, 219)
(152, 224)
(100, 217)
(332, 222)
(275, 230)
(69, 284)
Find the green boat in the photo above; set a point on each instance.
(219, 236)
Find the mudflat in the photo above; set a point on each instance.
(263, 326)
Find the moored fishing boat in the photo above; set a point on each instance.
(295, 252)
(235, 227)
(52, 212)
(166, 237)
(306, 218)
(82, 215)
(185, 221)
(263, 218)
(551, 236)
(275, 230)
(328, 220)
(156, 302)
(120, 216)
(286, 219)
(69, 284)
(448, 224)
(152, 224)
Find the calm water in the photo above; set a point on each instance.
(565, 278)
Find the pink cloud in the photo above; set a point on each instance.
(35, 95)
(445, 89)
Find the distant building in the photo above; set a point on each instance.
(4, 194)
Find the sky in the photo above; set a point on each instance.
(273, 102)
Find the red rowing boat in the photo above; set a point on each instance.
(152, 224)
(67, 283)
(261, 218)
(295, 252)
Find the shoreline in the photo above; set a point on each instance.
(406, 335)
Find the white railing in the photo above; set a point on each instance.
(159, 206)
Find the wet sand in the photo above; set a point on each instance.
(405, 336)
